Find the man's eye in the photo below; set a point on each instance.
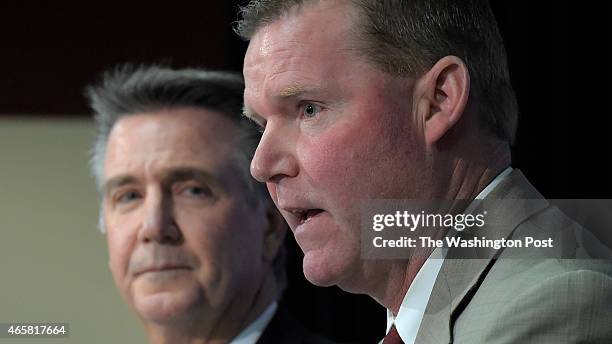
(197, 191)
(310, 110)
(128, 197)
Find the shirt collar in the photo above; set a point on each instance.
(251, 333)
(415, 301)
(494, 183)
(487, 190)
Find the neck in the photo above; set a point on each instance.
(468, 175)
(212, 327)
(461, 176)
(399, 276)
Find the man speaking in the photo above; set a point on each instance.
(407, 99)
(194, 242)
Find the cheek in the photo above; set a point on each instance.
(247, 228)
(200, 229)
(344, 157)
(119, 251)
(121, 239)
(223, 239)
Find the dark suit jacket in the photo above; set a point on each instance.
(525, 298)
(285, 329)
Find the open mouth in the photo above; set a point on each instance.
(305, 215)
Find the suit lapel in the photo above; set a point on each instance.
(459, 279)
(435, 325)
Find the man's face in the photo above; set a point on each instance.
(337, 131)
(182, 238)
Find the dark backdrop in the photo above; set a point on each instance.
(49, 52)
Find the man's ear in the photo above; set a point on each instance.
(274, 235)
(442, 97)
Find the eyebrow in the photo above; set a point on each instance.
(291, 91)
(174, 175)
(189, 173)
(117, 182)
(296, 90)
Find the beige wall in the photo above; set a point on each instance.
(53, 261)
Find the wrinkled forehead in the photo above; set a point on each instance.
(187, 136)
(180, 126)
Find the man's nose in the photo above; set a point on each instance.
(158, 223)
(273, 158)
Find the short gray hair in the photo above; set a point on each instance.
(407, 37)
(128, 89)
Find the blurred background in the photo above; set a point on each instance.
(53, 261)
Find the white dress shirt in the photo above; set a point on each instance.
(251, 333)
(415, 301)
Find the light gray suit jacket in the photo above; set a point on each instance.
(531, 300)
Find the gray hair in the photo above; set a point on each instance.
(407, 37)
(128, 89)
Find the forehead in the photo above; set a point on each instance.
(308, 42)
(187, 136)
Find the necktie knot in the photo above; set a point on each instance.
(393, 337)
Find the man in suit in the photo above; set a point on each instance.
(195, 245)
(364, 99)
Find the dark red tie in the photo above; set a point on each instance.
(393, 337)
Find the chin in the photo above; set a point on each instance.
(324, 269)
(165, 306)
